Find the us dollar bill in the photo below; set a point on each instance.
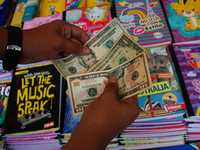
(99, 44)
(133, 77)
(123, 50)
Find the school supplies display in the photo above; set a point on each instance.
(39, 110)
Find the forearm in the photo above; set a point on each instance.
(103, 120)
(88, 137)
(3, 41)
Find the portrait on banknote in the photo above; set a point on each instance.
(87, 61)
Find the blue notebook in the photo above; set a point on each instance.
(4, 6)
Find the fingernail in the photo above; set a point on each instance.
(113, 79)
(86, 50)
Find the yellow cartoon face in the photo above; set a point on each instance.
(1, 2)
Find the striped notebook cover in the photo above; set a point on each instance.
(145, 21)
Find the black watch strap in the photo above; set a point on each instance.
(14, 44)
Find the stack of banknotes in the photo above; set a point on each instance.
(113, 53)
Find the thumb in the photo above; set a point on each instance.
(75, 48)
(112, 85)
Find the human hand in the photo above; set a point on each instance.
(104, 119)
(52, 41)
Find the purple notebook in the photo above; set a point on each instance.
(188, 58)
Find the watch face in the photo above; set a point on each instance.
(14, 44)
(14, 47)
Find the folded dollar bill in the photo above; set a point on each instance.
(133, 77)
(124, 49)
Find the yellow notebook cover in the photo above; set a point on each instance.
(51, 7)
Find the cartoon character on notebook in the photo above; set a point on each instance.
(53, 10)
(96, 13)
(189, 9)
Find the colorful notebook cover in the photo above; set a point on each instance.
(182, 15)
(34, 103)
(165, 97)
(91, 19)
(30, 10)
(19, 13)
(145, 21)
(188, 56)
(38, 21)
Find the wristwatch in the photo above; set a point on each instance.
(14, 44)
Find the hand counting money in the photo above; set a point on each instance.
(99, 44)
(133, 77)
